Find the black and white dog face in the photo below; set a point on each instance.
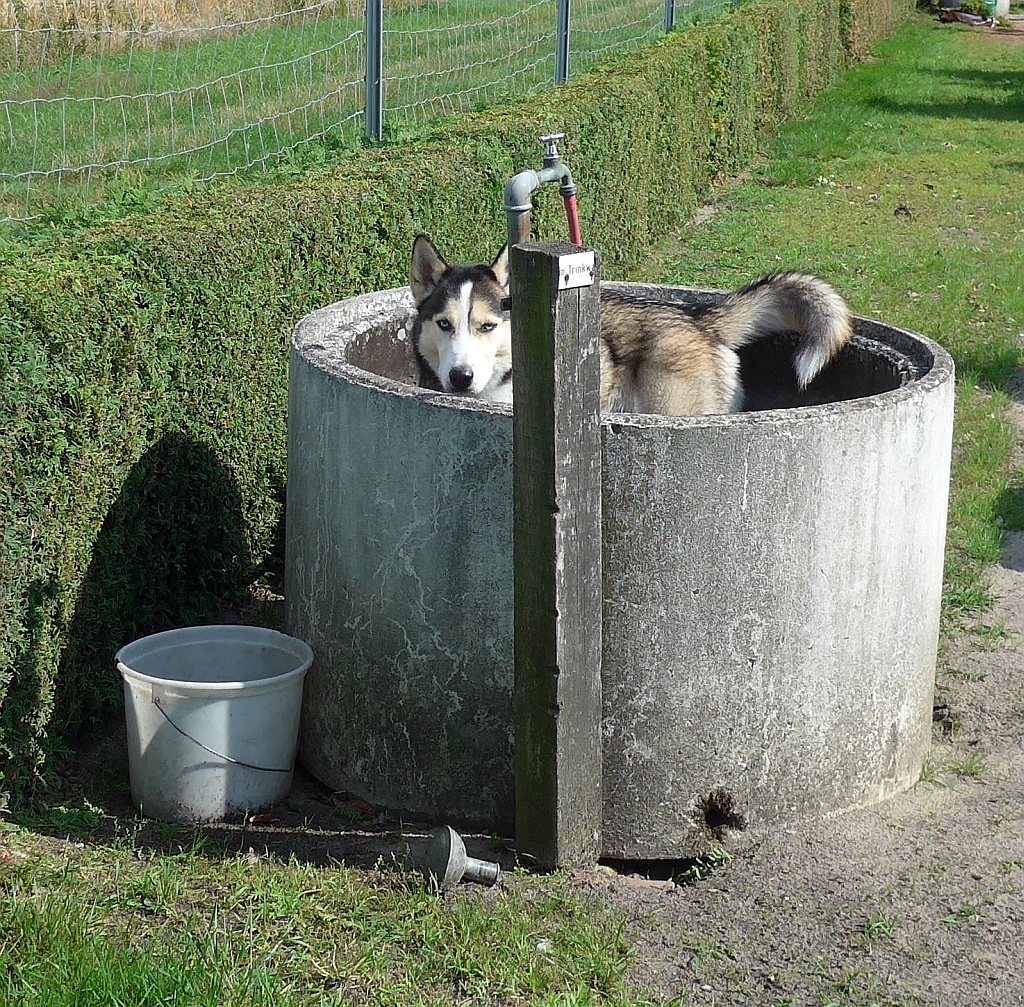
(461, 334)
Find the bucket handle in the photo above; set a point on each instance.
(226, 758)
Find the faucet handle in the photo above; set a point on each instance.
(550, 140)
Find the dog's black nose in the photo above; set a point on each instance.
(461, 378)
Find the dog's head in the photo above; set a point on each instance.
(463, 335)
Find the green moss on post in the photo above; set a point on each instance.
(556, 558)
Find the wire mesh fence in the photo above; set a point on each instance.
(602, 27)
(96, 94)
(451, 56)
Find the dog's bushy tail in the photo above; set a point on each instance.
(787, 302)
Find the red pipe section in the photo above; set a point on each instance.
(574, 220)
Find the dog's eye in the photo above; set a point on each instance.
(444, 325)
(488, 326)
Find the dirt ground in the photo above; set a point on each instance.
(917, 901)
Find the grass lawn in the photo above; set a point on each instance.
(904, 188)
(76, 123)
(116, 925)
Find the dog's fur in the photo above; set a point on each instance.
(656, 357)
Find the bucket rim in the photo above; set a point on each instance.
(170, 639)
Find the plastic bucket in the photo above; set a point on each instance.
(213, 719)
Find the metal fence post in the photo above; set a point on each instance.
(556, 553)
(670, 15)
(374, 69)
(562, 43)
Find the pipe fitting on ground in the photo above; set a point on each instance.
(447, 862)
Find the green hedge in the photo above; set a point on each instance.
(143, 362)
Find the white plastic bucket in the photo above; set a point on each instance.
(213, 719)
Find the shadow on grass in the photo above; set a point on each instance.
(992, 367)
(172, 551)
(1010, 509)
(311, 825)
(1009, 110)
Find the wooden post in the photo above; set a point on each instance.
(557, 553)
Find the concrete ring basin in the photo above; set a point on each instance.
(772, 585)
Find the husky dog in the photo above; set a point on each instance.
(656, 357)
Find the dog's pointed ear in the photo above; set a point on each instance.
(500, 267)
(426, 269)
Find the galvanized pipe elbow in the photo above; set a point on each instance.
(517, 197)
(518, 205)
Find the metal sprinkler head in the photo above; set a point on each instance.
(446, 860)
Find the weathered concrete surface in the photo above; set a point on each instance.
(399, 575)
(772, 635)
(772, 585)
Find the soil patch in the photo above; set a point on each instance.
(917, 901)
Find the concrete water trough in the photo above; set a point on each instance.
(772, 585)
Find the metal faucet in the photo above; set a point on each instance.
(519, 188)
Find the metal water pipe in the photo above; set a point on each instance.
(520, 187)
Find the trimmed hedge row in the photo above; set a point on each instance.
(143, 363)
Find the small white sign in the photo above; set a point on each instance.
(576, 270)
